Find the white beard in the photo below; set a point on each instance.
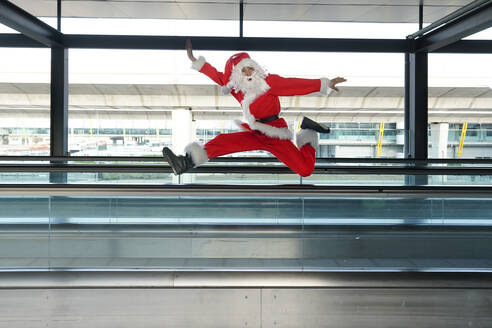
(253, 85)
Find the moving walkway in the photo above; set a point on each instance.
(132, 245)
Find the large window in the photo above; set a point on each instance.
(124, 102)
(24, 102)
(120, 102)
(460, 105)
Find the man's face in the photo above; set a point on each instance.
(248, 71)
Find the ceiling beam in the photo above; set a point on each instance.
(29, 25)
(449, 33)
(9, 40)
(236, 43)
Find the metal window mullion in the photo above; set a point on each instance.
(406, 118)
(59, 108)
(418, 110)
(241, 18)
(58, 14)
(417, 113)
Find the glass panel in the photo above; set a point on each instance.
(460, 105)
(237, 178)
(247, 233)
(24, 177)
(24, 101)
(145, 235)
(120, 178)
(355, 179)
(24, 223)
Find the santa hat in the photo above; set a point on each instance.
(233, 70)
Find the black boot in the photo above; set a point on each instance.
(310, 124)
(179, 164)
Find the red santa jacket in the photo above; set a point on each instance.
(267, 103)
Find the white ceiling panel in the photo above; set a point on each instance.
(152, 10)
(227, 11)
(391, 14)
(458, 3)
(432, 14)
(335, 13)
(395, 11)
(359, 2)
(39, 8)
(91, 9)
(286, 12)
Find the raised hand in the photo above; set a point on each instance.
(335, 81)
(189, 50)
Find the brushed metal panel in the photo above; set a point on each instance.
(120, 247)
(376, 308)
(248, 247)
(195, 307)
(24, 308)
(131, 308)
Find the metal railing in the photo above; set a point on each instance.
(243, 165)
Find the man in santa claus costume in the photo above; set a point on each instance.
(258, 93)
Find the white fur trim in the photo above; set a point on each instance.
(239, 123)
(197, 152)
(307, 136)
(198, 64)
(272, 131)
(325, 86)
(225, 90)
(236, 77)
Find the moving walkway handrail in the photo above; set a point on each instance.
(246, 279)
(243, 159)
(248, 169)
(220, 190)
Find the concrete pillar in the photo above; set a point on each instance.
(182, 129)
(439, 133)
(182, 134)
(439, 148)
(400, 138)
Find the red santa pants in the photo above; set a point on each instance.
(300, 161)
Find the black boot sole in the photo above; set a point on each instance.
(169, 157)
(312, 125)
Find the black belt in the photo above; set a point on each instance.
(268, 119)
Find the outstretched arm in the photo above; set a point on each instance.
(282, 86)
